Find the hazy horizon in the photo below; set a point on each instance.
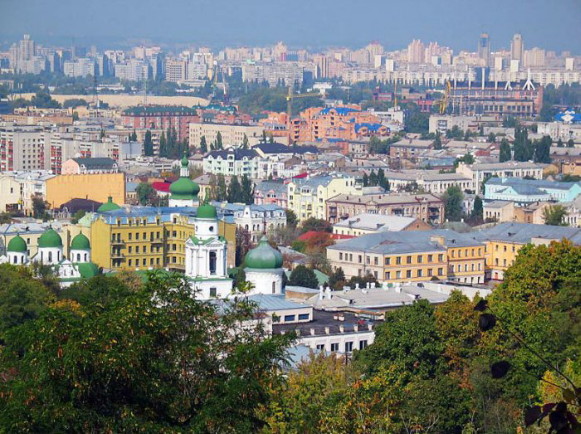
(300, 24)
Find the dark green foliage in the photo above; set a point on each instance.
(291, 218)
(148, 144)
(203, 145)
(42, 99)
(316, 225)
(133, 136)
(154, 361)
(22, 298)
(146, 194)
(337, 279)
(453, 198)
(234, 190)
(543, 150)
(303, 276)
(505, 151)
(247, 187)
(74, 103)
(406, 342)
(523, 147)
(274, 99)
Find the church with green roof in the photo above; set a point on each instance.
(50, 252)
(184, 191)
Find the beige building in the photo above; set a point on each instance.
(232, 135)
(308, 197)
(509, 169)
(425, 207)
(10, 197)
(97, 187)
(411, 256)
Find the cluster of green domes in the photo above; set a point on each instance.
(17, 244)
(207, 211)
(80, 242)
(184, 188)
(263, 256)
(50, 238)
(108, 206)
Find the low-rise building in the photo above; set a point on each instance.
(307, 197)
(505, 240)
(367, 223)
(425, 207)
(98, 187)
(256, 219)
(509, 169)
(77, 166)
(414, 256)
(525, 191)
(271, 193)
(431, 181)
(232, 162)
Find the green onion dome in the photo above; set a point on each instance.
(184, 188)
(17, 244)
(50, 239)
(207, 211)
(80, 242)
(108, 206)
(263, 256)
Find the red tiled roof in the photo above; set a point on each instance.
(161, 186)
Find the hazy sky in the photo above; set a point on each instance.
(551, 24)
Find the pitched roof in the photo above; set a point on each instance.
(523, 233)
(95, 163)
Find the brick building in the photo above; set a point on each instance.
(161, 117)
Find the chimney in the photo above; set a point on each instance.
(312, 331)
(370, 327)
(355, 328)
(342, 328)
(327, 330)
(321, 292)
(357, 286)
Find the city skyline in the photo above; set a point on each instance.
(314, 26)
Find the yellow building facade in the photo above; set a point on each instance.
(97, 187)
(411, 257)
(126, 242)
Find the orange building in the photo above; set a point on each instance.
(345, 122)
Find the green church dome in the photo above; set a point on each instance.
(80, 242)
(50, 239)
(88, 270)
(263, 256)
(108, 206)
(184, 188)
(17, 244)
(207, 211)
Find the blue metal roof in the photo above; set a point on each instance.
(339, 110)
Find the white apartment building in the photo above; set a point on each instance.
(232, 162)
(515, 169)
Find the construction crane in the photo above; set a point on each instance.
(289, 104)
(444, 101)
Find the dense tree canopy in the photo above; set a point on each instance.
(153, 361)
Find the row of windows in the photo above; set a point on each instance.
(453, 252)
(292, 318)
(472, 267)
(409, 274)
(348, 348)
(388, 261)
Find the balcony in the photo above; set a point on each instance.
(117, 255)
(117, 242)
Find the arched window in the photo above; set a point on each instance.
(78, 257)
(86, 257)
(49, 256)
(273, 287)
